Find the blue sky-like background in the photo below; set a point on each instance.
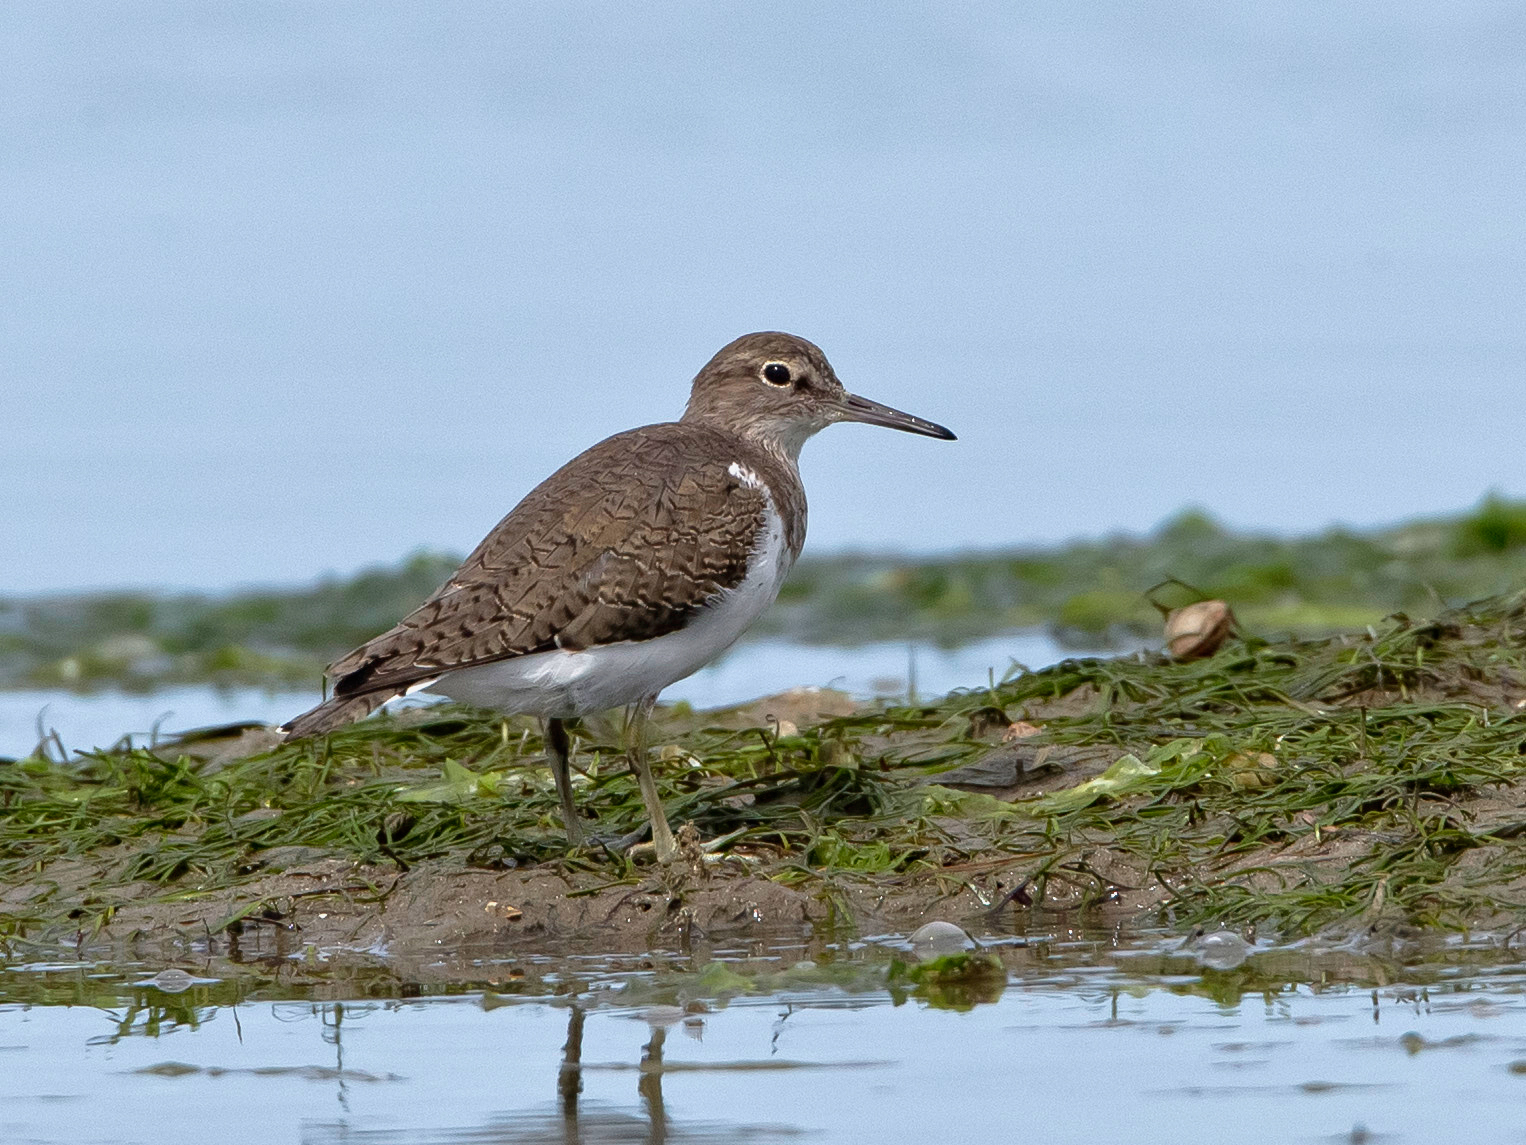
(288, 288)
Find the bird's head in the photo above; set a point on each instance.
(778, 390)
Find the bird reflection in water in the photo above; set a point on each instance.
(650, 1086)
(569, 1082)
(604, 1126)
(573, 1121)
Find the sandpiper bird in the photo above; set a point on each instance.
(630, 567)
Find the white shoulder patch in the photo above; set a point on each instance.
(745, 475)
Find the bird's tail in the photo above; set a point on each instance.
(337, 711)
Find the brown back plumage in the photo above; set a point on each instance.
(625, 542)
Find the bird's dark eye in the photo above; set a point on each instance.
(776, 373)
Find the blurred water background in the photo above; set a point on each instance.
(294, 288)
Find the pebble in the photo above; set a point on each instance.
(935, 939)
(172, 981)
(1221, 950)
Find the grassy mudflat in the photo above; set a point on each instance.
(1087, 593)
(1370, 781)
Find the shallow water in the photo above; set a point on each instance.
(1090, 1039)
(758, 668)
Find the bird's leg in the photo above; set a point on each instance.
(635, 730)
(558, 747)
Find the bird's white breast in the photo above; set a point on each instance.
(565, 683)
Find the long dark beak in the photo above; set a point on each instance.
(872, 413)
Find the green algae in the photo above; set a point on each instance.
(959, 981)
(1287, 785)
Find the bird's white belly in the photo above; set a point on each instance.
(564, 684)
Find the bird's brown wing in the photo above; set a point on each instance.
(625, 542)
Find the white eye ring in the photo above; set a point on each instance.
(777, 374)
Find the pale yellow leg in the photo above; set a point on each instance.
(635, 730)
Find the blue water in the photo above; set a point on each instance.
(1091, 1040)
(757, 668)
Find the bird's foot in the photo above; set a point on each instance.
(689, 847)
(619, 844)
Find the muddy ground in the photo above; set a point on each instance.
(1376, 781)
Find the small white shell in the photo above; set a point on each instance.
(1198, 629)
